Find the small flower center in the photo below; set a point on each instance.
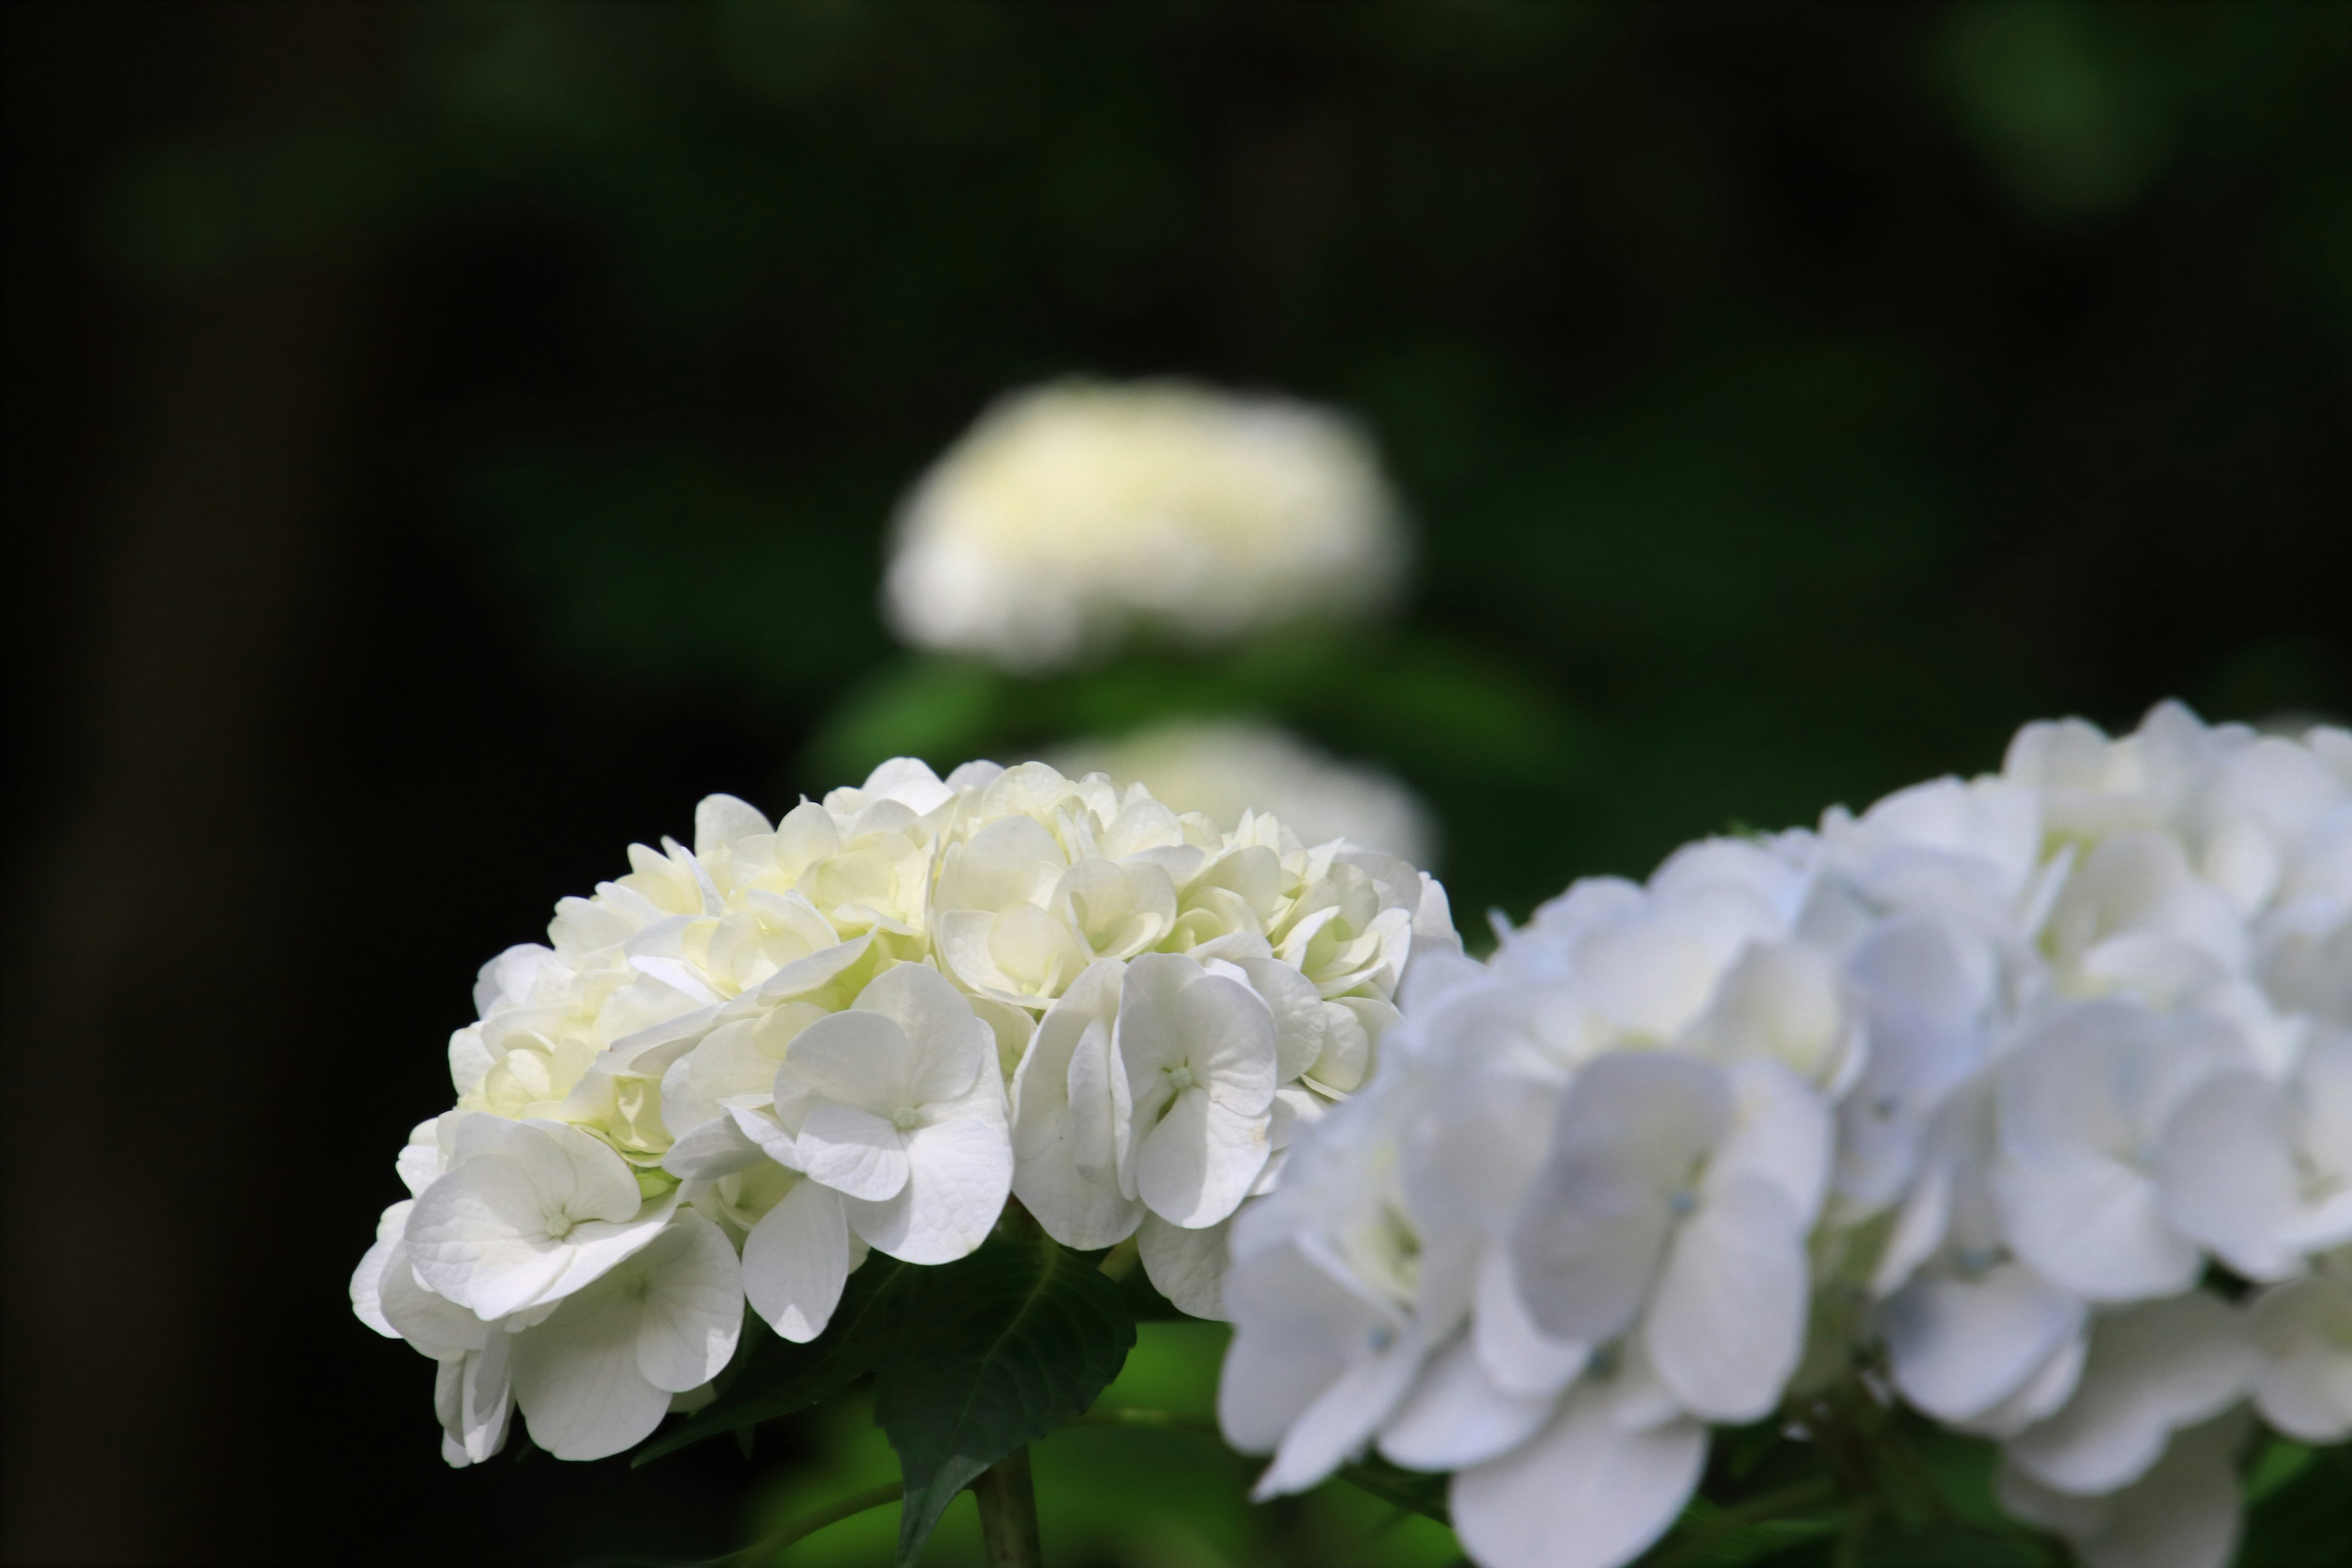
(1181, 1078)
(559, 1227)
(903, 1118)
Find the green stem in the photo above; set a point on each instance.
(808, 1524)
(1008, 1513)
(1120, 1261)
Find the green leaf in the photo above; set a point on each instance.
(2303, 1522)
(784, 1377)
(983, 1355)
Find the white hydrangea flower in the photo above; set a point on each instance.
(1224, 767)
(1976, 1085)
(1073, 512)
(731, 1072)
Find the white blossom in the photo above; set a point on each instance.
(1224, 767)
(1976, 1087)
(864, 1026)
(1074, 513)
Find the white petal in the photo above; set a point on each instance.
(1070, 1115)
(1585, 1493)
(854, 1152)
(1298, 1010)
(2304, 1329)
(1188, 1267)
(1728, 1323)
(693, 1305)
(1197, 1165)
(1779, 1133)
(479, 1235)
(435, 1326)
(367, 1279)
(1518, 1355)
(474, 1397)
(952, 1044)
(1296, 1323)
(2226, 1174)
(2152, 1369)
(1229, 1037)
(2093, 1226)
(1455, 1416)
(577, 1379)
(858, 1058)
(2184, 1513)
(796, 1261)
(1593, 1231)
(1960, 1346)
(959, 1174)
(1343, 1417)
(715, 1149)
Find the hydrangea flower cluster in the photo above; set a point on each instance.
(2025, 1102)
(1222, 767)
(731, 1072)
(1074, 513)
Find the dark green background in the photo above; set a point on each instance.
(443, 441)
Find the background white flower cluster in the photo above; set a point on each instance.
(733, 1071)
(2026, 1101)
(1074, 514)
(1224, 767)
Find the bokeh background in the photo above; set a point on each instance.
(445, 440)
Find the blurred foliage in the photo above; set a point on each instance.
(1792, 399)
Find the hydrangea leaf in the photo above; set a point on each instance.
(986, 1354)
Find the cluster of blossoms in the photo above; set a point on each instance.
(1076, 512)
(1224, 767)
(733, 1071)
(2025, 1102)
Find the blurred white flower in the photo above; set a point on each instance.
(1224, 767)
(1976, 1086)
(1074, 513)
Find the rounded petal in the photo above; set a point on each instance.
(860, 1058)
(853, 1151)
(1593, 1230)
(1959, 1347)
(1343, 1417)
(1455, 1416)
(1188, 1267)
(1728, 1321)
(2152, 1369)
(1584, 1492)
(2304, 1329)
(693, 1305)
(2093, 1226)
(796, 1261)
(1196, 1166)
(577, 1379)
(2226, 1174)
(951, 1043)
(959, 1174)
